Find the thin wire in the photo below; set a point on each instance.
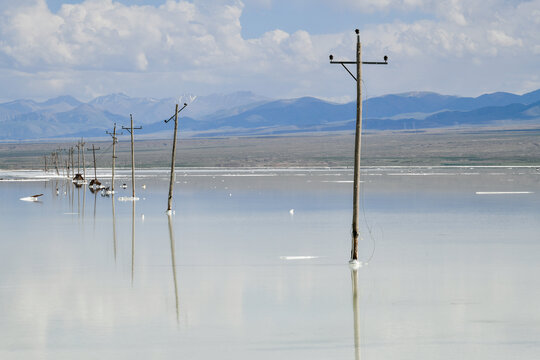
(362, 197)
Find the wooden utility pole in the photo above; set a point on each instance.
(357, 139)
(78, 158)
(72, 161)
(95, 181)
(130, 129)
(55, 159)
(115, 141)
(82, 143)
(173, 157)
(45, 159)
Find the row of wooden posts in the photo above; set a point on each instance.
(79, 178)
(358, 136)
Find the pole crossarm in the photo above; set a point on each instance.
(343, 63)
(172, 117)
(363, 62)
(129, 128)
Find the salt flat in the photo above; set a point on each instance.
(235, 274)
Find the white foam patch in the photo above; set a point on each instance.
(503, 192)
(128, 198)
(339, 181)
(298, 257)
(421, 174)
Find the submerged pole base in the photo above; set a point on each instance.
(355, 264)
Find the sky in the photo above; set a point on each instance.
(275, 48)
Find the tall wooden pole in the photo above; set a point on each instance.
(56, 163)
(113, 159)
(94, 155)
(357, 150)
(83, 163)
(357, 139)
(173, 157)
(72, 161)
(131, 129)
(78, 158)
(132, 161)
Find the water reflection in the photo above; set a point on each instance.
(114, 227)
(356, 314)
(173, 264)
(132, 240)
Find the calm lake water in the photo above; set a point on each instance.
(451, 266)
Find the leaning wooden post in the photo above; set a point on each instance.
(357, 150)
(115, 141)
(173, 157)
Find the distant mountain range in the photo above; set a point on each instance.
(245, 113)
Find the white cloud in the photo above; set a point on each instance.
(101, 46)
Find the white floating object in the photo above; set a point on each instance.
(144, 186)
(230, 194)
(300, 257)
(33, 198)
(291, 211)
(142, 217)
(503, 192)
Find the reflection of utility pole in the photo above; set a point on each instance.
(356, 314)
(115, 141)
(171, 183)
(130, 129)
(132, 241)
(173, 257)
(358, 139)
(114, 228)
